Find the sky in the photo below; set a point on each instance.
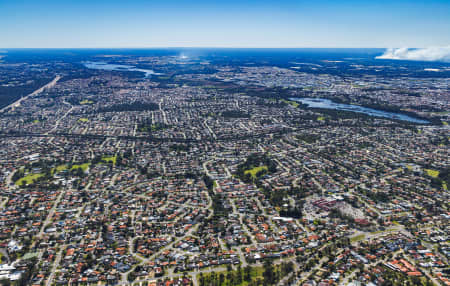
(226, 23)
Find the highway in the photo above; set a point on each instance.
(36, 92)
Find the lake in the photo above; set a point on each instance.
(329, 104)
(115, 67)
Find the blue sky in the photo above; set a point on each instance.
(183, 23)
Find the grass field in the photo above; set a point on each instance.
(83, 120)
(86, 101)
(432, 173)
(357, 238)
(83, 167)
(293, 103)
(382, 231)
(320, 118)
(28, 179)
(110, 159)
(30, 255)
(59, 168)
(255, 170)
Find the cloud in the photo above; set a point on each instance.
(441, 54)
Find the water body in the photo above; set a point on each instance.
(329, 104)
(115, 67)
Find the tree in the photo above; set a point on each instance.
(202, 279)
(230, 280)
(5, 282)
(247, 273)
(239, 275)
(287, 268)
(268, 274)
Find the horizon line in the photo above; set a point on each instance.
(189, 47)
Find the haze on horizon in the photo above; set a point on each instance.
(202, 23)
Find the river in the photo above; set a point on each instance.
(329, 104)
(116, 67)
